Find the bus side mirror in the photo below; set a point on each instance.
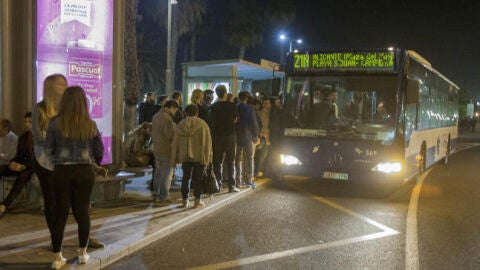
(413, 88)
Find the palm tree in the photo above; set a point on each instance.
(243, 28)
(280, 13)
(131, 63)
(187, 15)
(150, 52)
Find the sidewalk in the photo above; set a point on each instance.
(125, 226)
(469, 135)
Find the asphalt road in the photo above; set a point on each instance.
(299, 224)
(449, 214)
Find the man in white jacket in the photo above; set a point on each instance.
(192, 146)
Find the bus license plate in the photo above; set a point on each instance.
(335, 175)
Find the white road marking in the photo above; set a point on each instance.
(356, 215)
(386, 231)
(411, 242)
(292, 252)
(463, 146)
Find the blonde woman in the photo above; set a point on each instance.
(53, 88)
(74, 145)
(197, 99)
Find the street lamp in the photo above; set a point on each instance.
(168, 70)
(298, 41)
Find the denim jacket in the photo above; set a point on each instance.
(63, 150)
(39, 139)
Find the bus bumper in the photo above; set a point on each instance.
(352, 177)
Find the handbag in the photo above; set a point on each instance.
(210, 184)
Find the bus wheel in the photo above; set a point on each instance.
(445, 160)
(421, 160)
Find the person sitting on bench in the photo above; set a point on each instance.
(21, 165)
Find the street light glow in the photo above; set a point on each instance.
(284, 37)
(298, 41)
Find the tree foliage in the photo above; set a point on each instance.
(280, 13)
(186, 16)
(131, 72)
(234, 26)
(151, 53)
(243, 28)
(464, 97)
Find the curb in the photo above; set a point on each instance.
(116, 251)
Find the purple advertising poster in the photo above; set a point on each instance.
(74, 38)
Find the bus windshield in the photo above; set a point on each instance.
(357, 107)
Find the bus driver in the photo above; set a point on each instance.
(324, 112)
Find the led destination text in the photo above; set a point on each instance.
(350, 60)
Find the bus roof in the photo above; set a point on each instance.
(417, 57)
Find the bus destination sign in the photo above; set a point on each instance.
(380, 60)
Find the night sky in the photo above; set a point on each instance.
(445, 32)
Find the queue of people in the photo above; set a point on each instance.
(239, 138)
(230, 135)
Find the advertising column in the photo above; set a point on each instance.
(75, 38)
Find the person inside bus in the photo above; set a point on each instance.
(324, 111)
(382, 115)
(353, 110)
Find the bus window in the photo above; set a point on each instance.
(354, 108)
(347, 104)
(324, 112)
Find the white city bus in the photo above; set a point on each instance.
(366, 116)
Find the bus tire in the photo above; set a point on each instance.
(447, 154)
(423, 159)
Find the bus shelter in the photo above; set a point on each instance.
(236, 75)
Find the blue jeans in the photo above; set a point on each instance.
(261, 154)
(162, 178)
(192, 172)
(244, 162)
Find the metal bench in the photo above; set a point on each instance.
(31, 193)
(109, 188)
(7, 184)
(139, 171)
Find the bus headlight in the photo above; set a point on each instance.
(388, 167)
(289, 160)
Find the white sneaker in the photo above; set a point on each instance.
(57, 264)
(83, 259)
(185, 203)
